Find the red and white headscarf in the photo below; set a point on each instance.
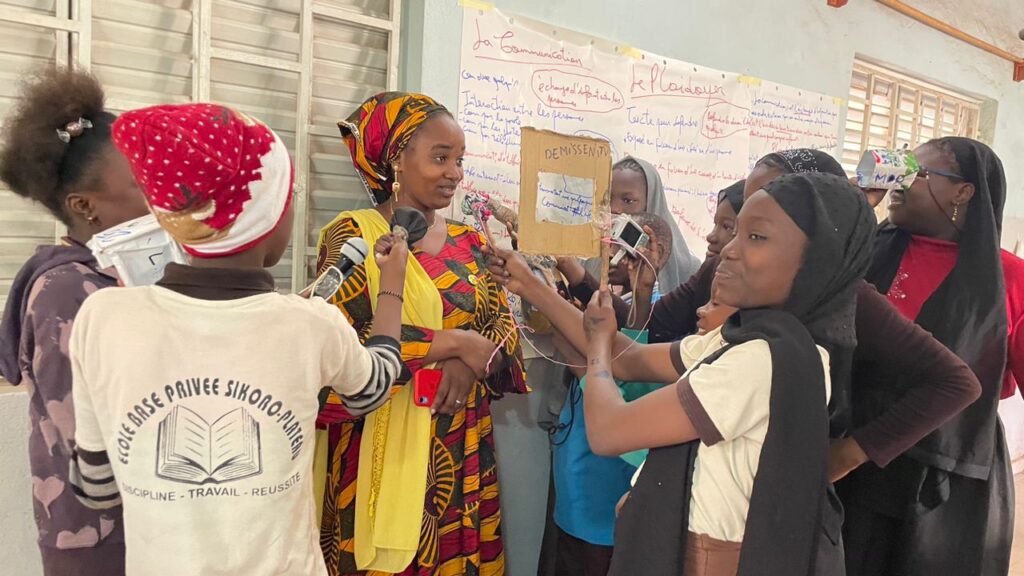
(217, 180)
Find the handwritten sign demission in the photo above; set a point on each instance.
(702, 128)
(563, 199)
(564, 184)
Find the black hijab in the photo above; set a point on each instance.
(784, 522)
(804, 160)
(809, 160)
(967, 312)
(840, 349)
(733, 194)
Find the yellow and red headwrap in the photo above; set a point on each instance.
(378, 131)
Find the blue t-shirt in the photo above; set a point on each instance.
(588, 486)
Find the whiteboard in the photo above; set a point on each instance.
(702, 128)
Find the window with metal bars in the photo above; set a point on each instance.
(298, 65)
(888, 109)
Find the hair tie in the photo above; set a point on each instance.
(72, 129)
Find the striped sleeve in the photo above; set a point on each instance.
(385, 368)
(92, 480)
(90, 473)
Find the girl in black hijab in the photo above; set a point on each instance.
(795, 161)
(730, 200)
(946, 506)
(801, 248)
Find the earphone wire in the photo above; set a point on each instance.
(522, 329)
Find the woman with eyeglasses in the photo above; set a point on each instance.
(946, 505)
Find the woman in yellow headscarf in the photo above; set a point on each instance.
(414, 490)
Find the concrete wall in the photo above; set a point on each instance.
(17, 527)
(802, 43)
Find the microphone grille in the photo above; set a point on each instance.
(356, 250)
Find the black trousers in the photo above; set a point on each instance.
(969, 533)
(580, 558)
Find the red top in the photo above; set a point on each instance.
(928, 261)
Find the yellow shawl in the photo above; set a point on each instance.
(395, 447)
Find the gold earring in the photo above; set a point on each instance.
(396, 188)
(956, 212)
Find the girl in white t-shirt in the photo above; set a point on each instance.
(736, 478)
(196, 399)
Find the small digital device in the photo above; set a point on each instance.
(425, 384)
(353, 253)
(881, 169)
(628, 236)
(326, 285)
(139, 249)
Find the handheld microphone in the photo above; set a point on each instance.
(483, 206)
(412, 221)
(353, 253)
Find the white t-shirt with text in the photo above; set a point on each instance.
(206, 411)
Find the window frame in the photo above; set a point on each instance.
(864, 134)
(72, 23)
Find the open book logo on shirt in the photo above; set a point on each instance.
(192, 450)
